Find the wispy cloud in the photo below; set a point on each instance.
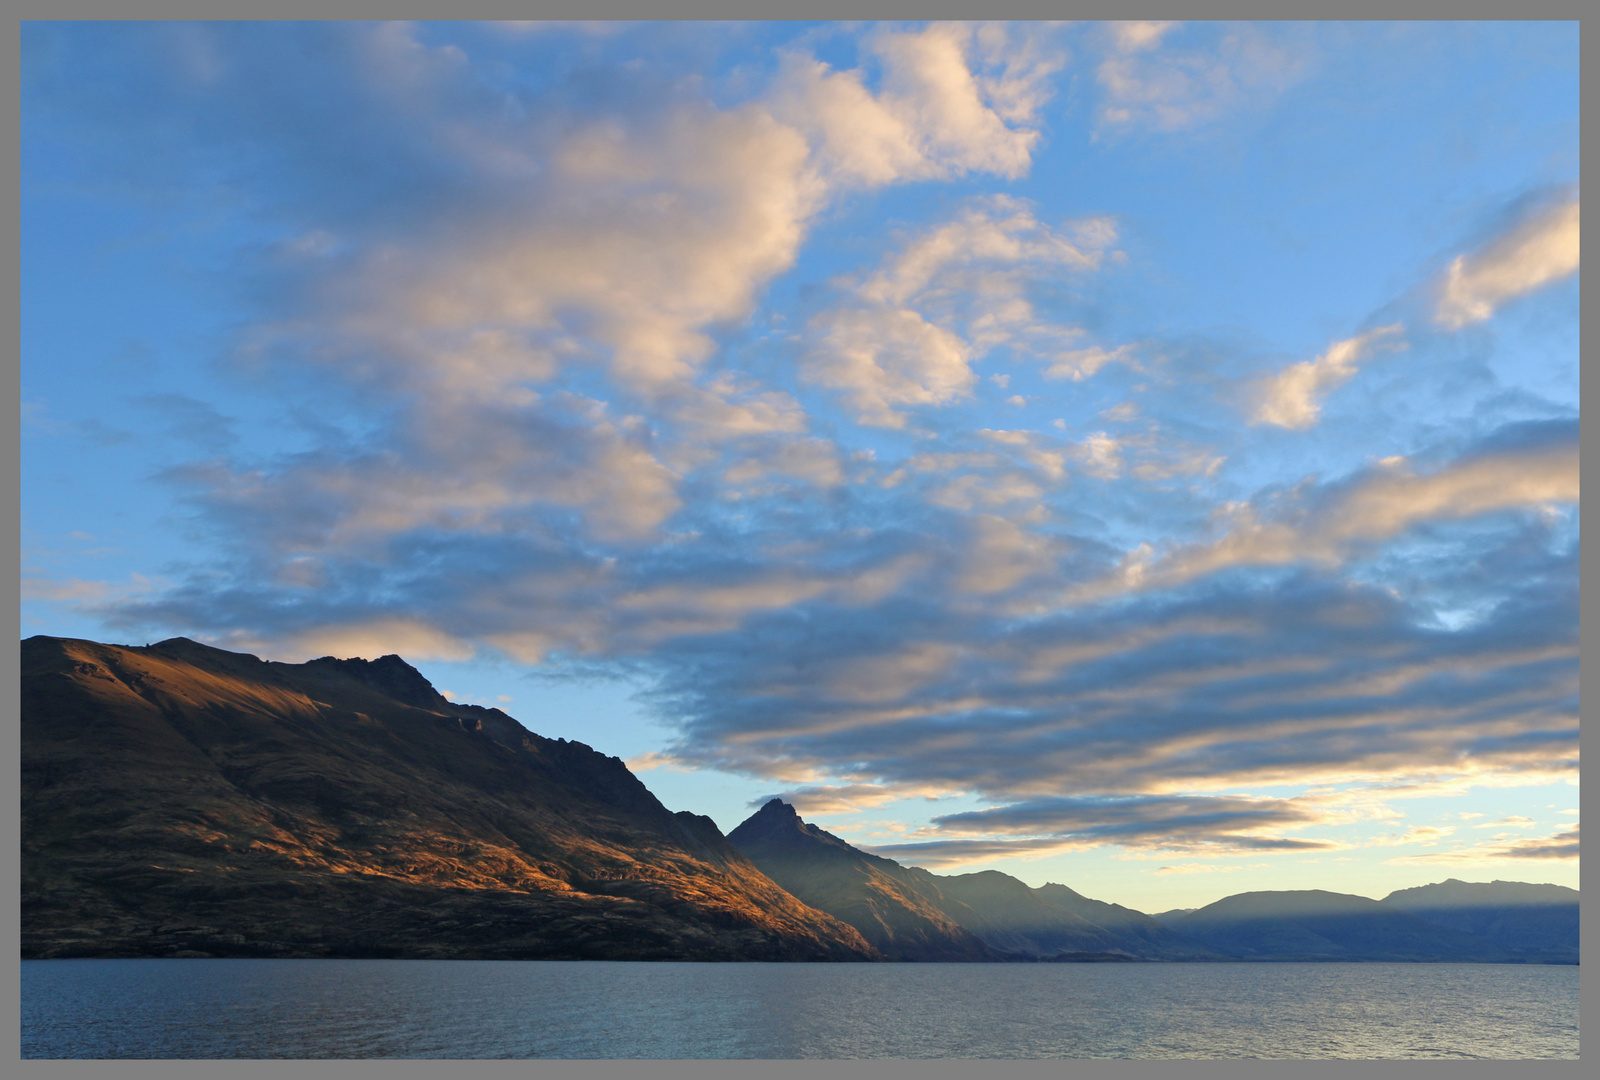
(1561, 846)
(1535, 251)
(908, 333)
(1293, 397)
(1146, 81)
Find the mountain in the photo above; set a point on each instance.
(896, 912)
(912, 914)
(1318, 925)
(1170, 918)
(1142, 934)
(1009, 915)
(179, 800)
(1537, 922)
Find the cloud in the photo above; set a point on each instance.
(1211, 824)
(1293, 397)
(191, 420)
(887, 358)
(1080, 364)
(1144, 83)
(821, 800)
(1204, 868)
(1536, 251)
(651, 760)
(939, 855)
(88, 595)
(72, 590)
(1325, 526)
(908, 333)
(934, 117)
(1420, 834)
(1561, 846)
(1517, 822)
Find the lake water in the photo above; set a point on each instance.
(509, 1009)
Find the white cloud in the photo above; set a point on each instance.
(1293, 397)
(934, 117)
(1536, 252)
(1000, 231)
(912, 329)
(1102, 455)
(885, 358)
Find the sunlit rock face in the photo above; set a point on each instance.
(182, 800)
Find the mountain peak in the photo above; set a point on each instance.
(778, 823)
(390, 674)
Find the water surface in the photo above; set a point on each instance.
(552, 1009)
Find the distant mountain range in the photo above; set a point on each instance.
(1535, 922)
(182, 800)
(911, 914)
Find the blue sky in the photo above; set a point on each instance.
(1141, 456)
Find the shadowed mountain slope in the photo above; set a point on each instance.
(179, 799)
(910, 913)
(1009, 915)
(895, 911)
(1136, 932)
(1318, 925)
(1531, 921)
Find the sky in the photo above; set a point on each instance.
(1141, 456)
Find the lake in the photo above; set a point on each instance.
(551, 1009)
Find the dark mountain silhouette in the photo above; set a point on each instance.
(1531, 921)
(1318, 925)
(898, 913)
(912, 914)
(179, 799)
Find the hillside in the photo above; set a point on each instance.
(1311, 924)
(1530, 921)
(912, 914)
(179, 799)
(895, 912)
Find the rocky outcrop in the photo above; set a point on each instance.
(179, 799)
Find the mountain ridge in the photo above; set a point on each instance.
(182, 799)
(878, 897)
(179, 799)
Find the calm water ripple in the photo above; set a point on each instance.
(486, 1009)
